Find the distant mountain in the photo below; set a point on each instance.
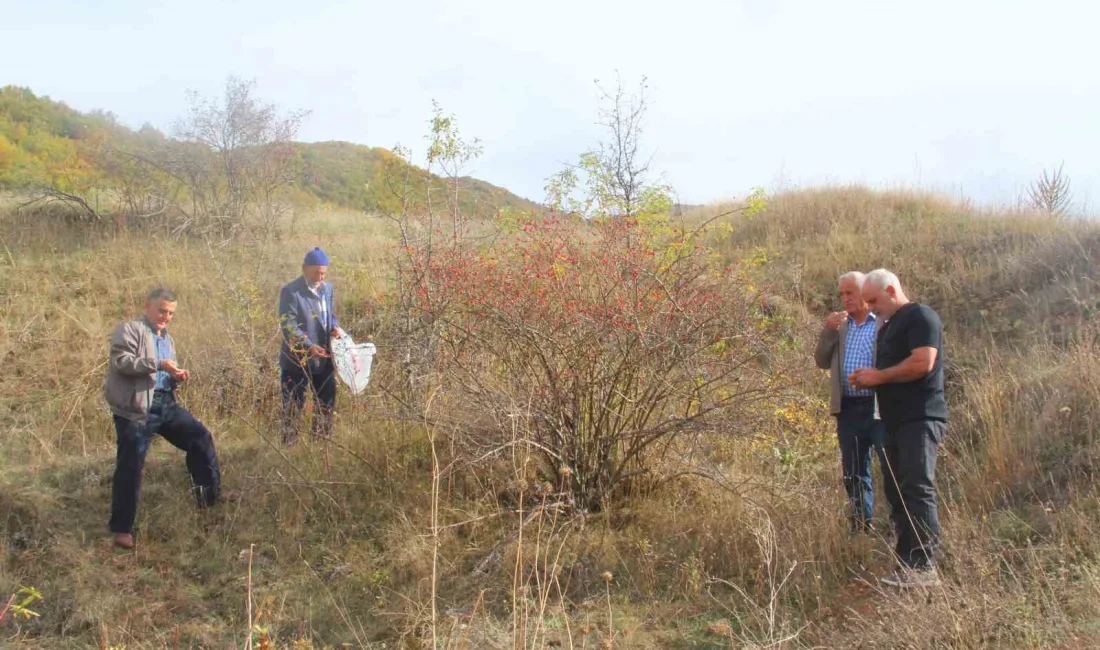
(45, 143)
(354, 175)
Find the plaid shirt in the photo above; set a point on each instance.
(859, 348)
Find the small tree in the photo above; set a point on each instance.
(141, 189)
(1051, 192)
(419, 219)
(253, 146)
(229, 162)
(450, 152)
(601, 342)
(613, 179)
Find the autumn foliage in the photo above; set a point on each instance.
(599, 344)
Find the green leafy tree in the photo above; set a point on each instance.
(448, 151)
(613, 180)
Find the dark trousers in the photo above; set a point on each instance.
(858, 433)
(911, 451)
(178, 427)
(321, 383)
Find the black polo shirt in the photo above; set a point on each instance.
(911, 327)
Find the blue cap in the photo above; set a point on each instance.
(316, 257)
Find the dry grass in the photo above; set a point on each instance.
(344, 550)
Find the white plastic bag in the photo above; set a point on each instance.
(353, 361)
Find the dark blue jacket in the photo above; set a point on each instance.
(302, 325)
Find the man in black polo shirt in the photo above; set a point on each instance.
(908, 382)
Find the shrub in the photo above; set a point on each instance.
(599, 344)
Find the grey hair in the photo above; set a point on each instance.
(882, 279)
(855, 276)
(160, 293)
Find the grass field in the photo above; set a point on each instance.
(333, 544)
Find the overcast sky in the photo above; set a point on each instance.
(966, 97)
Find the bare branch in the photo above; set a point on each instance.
(1050, 193)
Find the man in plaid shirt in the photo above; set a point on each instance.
(847, 342)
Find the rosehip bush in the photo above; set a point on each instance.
(598, 343)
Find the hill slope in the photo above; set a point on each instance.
(1002, 278)
(45, 143)
(351, 175)
(335, 541)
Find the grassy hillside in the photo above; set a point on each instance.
(351, 175)
(44, 143)
(335, 541)
(1005, 278)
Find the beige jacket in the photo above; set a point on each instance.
(132, 370)
(828, 356)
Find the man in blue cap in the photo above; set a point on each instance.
(308, 316)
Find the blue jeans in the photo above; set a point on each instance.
(858, 432)
(178, 427)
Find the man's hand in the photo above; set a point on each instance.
(833, 320)
(863, 378)
(179, 374)
(318, 352)
(337, 332)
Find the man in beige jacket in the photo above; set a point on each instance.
(142, 374)
(847, 342)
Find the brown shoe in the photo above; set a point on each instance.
(124, 541)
